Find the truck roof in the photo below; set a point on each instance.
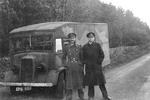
(44, 26)
(40, 26)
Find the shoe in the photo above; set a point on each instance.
(107, 98)
(91, 98)
(82, 98)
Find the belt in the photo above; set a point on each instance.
(73, 60)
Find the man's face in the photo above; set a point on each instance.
(72, 39)
(91, 38)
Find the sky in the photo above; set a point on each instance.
(140, 8)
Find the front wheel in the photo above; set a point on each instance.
(60, 87)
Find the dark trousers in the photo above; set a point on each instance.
(102, 88)
(69, 94)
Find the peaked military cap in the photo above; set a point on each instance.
(90, 34)
(71, 35)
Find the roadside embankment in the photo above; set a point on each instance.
(123, 55)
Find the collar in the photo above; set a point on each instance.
(90, 43)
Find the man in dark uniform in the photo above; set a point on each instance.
(74, 72)
(92, 57)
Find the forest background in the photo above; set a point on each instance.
(129, 37)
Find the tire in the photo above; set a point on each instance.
(60, 87)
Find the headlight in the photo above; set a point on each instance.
(41, 67)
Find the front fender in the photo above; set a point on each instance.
(53, 75)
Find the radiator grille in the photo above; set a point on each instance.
(26, 70)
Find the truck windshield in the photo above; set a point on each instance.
(40, 42)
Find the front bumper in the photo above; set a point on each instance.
(26, 84)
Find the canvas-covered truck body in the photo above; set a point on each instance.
(36, 53)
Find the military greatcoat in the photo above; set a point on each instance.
(74, 72)
(92, 57)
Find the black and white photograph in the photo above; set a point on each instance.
(74, 50)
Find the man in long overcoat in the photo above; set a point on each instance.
(74, 72)
(92, 57)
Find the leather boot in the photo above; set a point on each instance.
(81, 94)
(107, 98)
(69, 95)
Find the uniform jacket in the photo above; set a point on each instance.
(74, 73)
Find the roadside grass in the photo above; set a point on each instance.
(123, 55)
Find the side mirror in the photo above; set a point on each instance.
(58, 46)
